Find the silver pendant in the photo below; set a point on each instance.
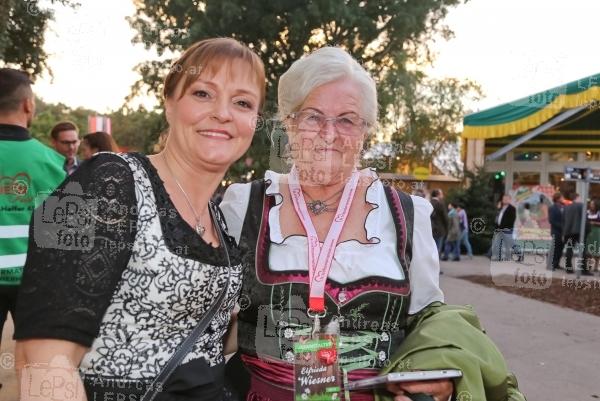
(317, 207)
(200, 229)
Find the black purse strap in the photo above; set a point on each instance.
(186, 346)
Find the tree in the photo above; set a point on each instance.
(380, 33)
(48, 114)
(478, 201)
(22, 28)
(132, 130)
(423, 118)
(137, 130)
(376, 32)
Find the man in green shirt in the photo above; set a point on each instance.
(29, 170)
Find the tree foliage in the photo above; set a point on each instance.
(377, 32)
(132, 130)
(22, 28)
(384, 35)
(422, 118)
(477, 198)
(137, 130)
(49, 114)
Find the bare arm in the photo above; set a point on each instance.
(230, 339)
(47, 370)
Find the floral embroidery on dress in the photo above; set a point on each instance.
(161, 297)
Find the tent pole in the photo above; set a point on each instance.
(583, 221)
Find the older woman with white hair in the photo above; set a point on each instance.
(328, 218)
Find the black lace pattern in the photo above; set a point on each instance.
(140, 289)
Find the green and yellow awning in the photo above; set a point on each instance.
(522, 115)
(578, 134)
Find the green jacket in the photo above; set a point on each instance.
(29, 171)
(451, 337)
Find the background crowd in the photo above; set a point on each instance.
(451, 231)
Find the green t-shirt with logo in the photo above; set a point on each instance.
(29, 172)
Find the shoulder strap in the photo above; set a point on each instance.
(402, 208)
(253, 217)
(257, 194)
(409, 212)
(186, 346)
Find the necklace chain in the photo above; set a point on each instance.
(199, 228)
(318, 206)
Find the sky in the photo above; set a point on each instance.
(512, 48)
(91, 55)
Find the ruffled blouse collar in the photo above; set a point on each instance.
(374, 195)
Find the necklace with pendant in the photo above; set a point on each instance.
(199, 228)
(318, 206)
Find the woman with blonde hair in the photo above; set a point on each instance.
(136, 293)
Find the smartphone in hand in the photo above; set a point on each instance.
(398, 377)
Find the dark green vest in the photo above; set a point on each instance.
(371, 311)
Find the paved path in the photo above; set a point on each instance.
(554, 351)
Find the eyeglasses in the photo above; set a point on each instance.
(311, 121)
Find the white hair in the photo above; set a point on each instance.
(323, 66)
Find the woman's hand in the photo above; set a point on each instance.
(440, 390)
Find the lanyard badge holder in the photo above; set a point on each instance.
(316, 366)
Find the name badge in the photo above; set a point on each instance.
(316, 368)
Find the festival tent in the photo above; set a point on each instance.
(562, 119)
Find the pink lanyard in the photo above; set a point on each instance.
(320, 257)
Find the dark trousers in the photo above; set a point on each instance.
(453, 248)
(503, 246)
(439, 242)
(558, 245)
(8, 303)
(570, 242)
